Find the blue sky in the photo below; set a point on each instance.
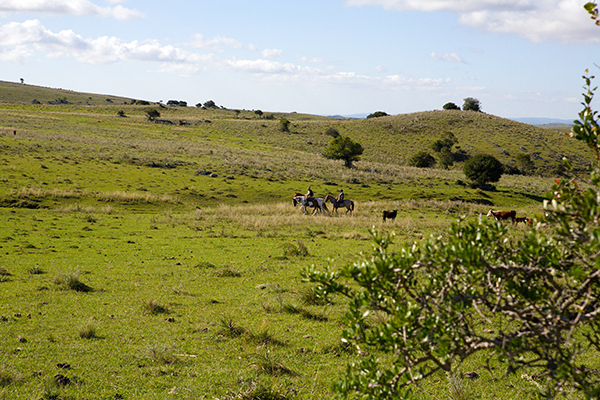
(520, 58)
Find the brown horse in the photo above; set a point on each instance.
(349, 204)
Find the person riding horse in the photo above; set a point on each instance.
(309, 195)
(340, 197)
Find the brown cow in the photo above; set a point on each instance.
(500, 215)
(390, 215)
(525, 220)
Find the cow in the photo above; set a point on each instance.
(525, 220)
(500, 215)
(390, 215)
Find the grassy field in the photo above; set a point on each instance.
(127, 271)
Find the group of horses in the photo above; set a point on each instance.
(320, 205)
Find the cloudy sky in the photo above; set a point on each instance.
(520, 58)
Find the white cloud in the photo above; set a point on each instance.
(271, 53)
(200, 42)
(68, 7)
(22, 38)
(535, 20)
(451, 57)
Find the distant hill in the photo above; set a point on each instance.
(543, 121)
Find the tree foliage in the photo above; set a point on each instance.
(284, 125)
(482, 169)
(377, 114)
(537, 295)
(422, 160)
(344, 148)
(450, 106)
(471, 104)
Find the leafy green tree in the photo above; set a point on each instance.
(445, 158)
(210, 104)
(537, 295)
(524, 163)
(377, 114)
(152, 114)
(259, 113)
(471, 104)
(344, 148)
(422, 160)
(482, 169)
(284, 125)
(450, 106)
(447, 142)
(332, 132)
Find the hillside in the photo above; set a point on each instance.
(108, 146)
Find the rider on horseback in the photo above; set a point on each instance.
(340, 197)
(309, 195)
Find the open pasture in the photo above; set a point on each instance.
(127, 271)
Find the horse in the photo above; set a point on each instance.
(349, 204)
(390, 215)
(317, 203)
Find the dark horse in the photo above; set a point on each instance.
(349, 204)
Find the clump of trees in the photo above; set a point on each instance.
(177, 103)
(537, 294)
(344, 148)
(377, 114)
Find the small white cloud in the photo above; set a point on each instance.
(451, 57)
(271, 53)
(68, 7)
(200, 42)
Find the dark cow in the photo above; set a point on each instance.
(500, 215)
(390, 215)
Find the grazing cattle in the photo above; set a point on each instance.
(525, 220)
(390, 215)
(500, 215)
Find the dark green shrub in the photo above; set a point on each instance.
(450, 106)
(377, 114)
(422, 160)
(482, 169)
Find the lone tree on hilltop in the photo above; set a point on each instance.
(482, 169)
(471, 104)
(343, 148)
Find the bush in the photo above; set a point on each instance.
(284, 125)
(482, 169)
(332, 132)
(422, 160)
(450, 106)
(377, 114)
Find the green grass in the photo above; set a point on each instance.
(152, 280)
